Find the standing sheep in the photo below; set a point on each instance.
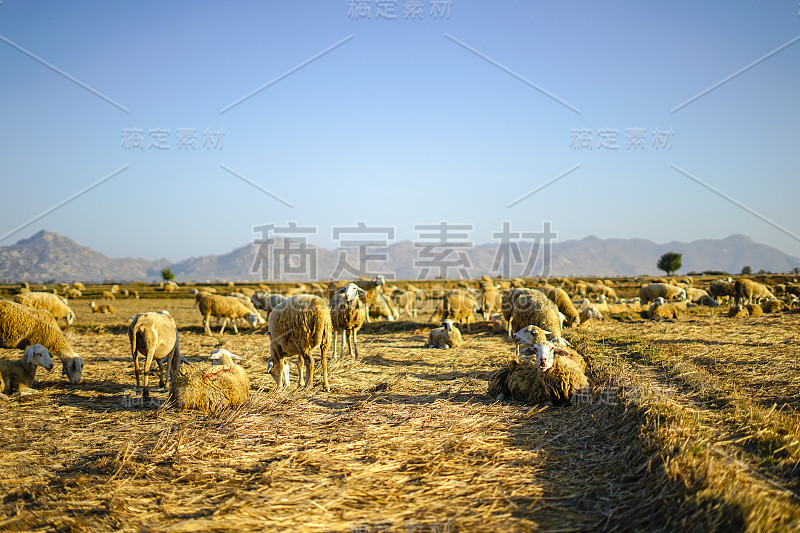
(458, 306)
(721, 289)
(374, 287)
(565, 305)
(662, 290)
(108, 295)
(22, 326)
(298, 326)
(747, 291)
(154, 335)
(227, 308)
(405, 301)
(16, 377)
(447, 336)
(57, 305)
(211, 387)
(73, 293)
(348, 314)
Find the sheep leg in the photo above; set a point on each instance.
(148, 360)
(224, 323)
(206, 321)
(334, 345)
(324, 357)
(136, 368)
(160, 373)
(355, 345)
(309, 364)
(235, 329)
(366, 312)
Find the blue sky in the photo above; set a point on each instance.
(402, 123)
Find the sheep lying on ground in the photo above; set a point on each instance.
(522, 307)
(772, 305)
(754, 309)
(650, 292)
(298, 326)
(565, 305)
(348, 314)
(661, 309)
(102, 308)
(154, 335)
(221, 384)
(47, 301)
(227, 308)
(530, 336)
(747, 291)
(22, 326)
(16, 377)
(738, 311)
(447, 336)
(589, 313)
(550, 379)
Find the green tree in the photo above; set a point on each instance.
(746, 270)
(167, 274)
(669, 262)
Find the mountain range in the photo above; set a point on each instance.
(47, 256)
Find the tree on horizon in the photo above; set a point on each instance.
(670, 262)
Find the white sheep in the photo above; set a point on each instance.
(154, 335)
(447, 336)
(383, 307)
(227, 308)
(664, 290)
(747, 291)
(299, 325)
(57, 305)
(522, 307)
(102, 308)
(22, 326)
(348, 313)
(405, 301)
(17, 377)
(221, 384)
(374, 287)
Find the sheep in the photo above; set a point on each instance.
(271, 302)
(297, 326)
(720, 289)
(22, 326)
(747, 291)
(661, 309)
(247, 291)
(108, 295)
(373, 288)
(489, 301)
(664, 290)
(530, 336)
(772, 305)
(227, 308)
(154, 335)
(588, 313)
(16, 377)
(102, 308)
(458, 306)
(596, 288)
(79, 286)
(405, 301)
(565, 305)
(754, 309)
(707, 300)
(57, 306)
(551, 379)
(446, 336)
(221, 384)
(115, 289)
(348, 314)
(522, 307)
(73, 293)
(738, 311)
(499, 324)
(383, 307)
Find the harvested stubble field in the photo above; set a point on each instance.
(692, 425)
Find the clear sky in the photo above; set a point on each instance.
(448, 112)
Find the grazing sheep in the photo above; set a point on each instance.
(457, 305)
(661, 309)
(588, 313)
(754, 309)
(772, 305)
(489, 301)
(721, 289)
(383, 307)
(57, 305)
(154, 335)
(102, 308)
(747, 291)
(522, 307)
(115, 289)
(247, 291)
(499, 324)
(374, 287)
(601, 290)
(661, 290)
(405, 301)
(738, 311)
(552, 379)
(79, 286)
(227, 308)
(348, 314)
(298, 326)
(16, 377)
(447, 336)
(108, 295)
(221, 384)
(22, 326)
(565, 305)
(73, 293)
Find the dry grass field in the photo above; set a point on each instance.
(692, 425)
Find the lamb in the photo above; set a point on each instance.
(746, 291)
(447, 336)
(530, 336)
(565, 305)
(16, 377)
(348, 314)
(552, 379)
(664, 290)
(102, 308)
(212, 387)
(154, 335)
(108, 295)
(522, 307)
(227, 308)
(22, 326)
(57, 306)
(297, 326)
(373, 288)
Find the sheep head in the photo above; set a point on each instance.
(530, 335)
(352, 292)
(72, 367)
(38, 356)
(224, 357)
(545, 355)
(448, 325)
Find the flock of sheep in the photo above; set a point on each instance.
(311, 318)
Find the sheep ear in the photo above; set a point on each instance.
(29, 354)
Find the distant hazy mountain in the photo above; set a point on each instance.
(49, 256)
